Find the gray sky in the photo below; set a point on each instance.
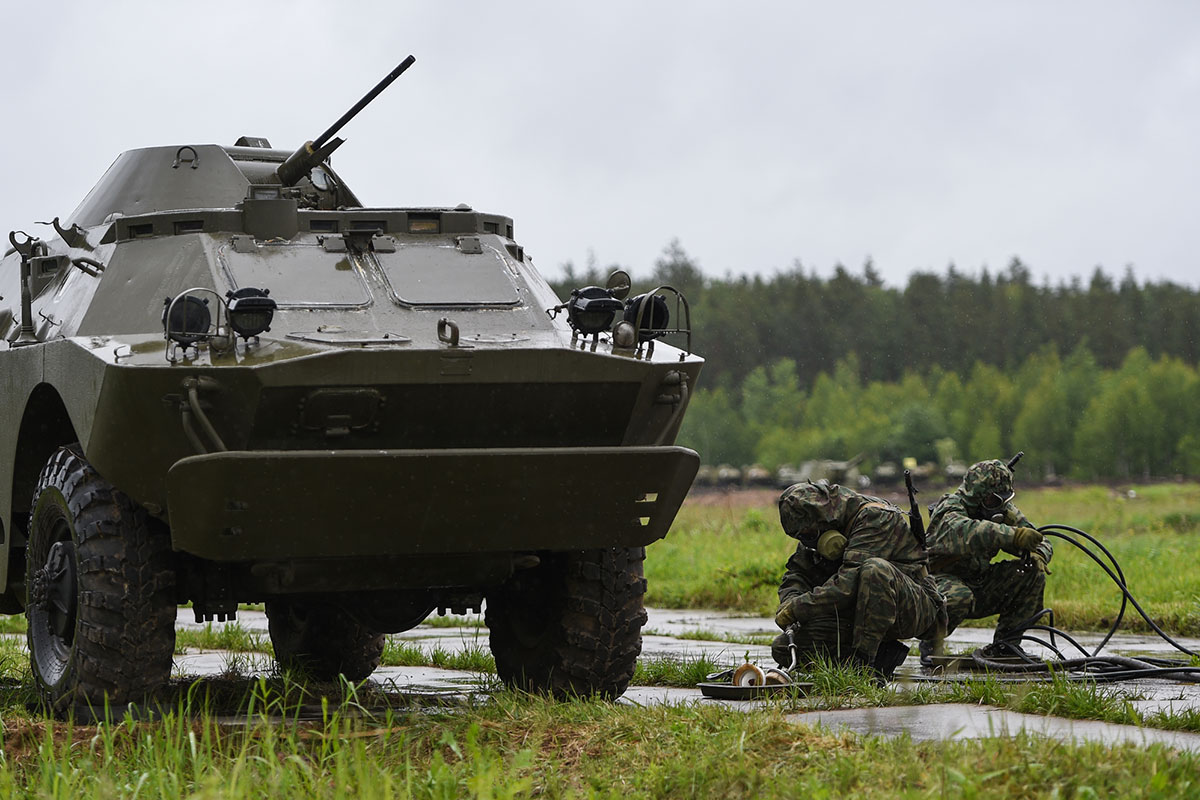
(918, 133)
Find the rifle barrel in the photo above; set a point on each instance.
(367, 98)
(915, 521)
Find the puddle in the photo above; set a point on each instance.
(961, 721)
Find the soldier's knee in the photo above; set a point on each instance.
(874, 568)
(1029, 580)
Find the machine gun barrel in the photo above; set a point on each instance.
(915, 521)
(361, 104)
(310, 154)
(1012, 462)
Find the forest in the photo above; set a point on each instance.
(1091, 380)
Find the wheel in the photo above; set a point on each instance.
(748, 675)
(101, 603)
(322, 640)
(571, 625)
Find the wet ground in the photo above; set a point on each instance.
(692, 633)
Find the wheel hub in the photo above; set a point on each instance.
(54, 589)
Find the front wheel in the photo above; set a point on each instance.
(572, 625)
(101, 590)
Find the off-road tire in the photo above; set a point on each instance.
(571, 626)
(322, 641)
(111, 636)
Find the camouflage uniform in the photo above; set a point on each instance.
(880, 589)
(963, 539)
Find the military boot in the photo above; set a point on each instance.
(890, 656)
(926, 651)
(1006, 649)
(869, 665)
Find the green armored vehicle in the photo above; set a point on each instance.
(226, 381)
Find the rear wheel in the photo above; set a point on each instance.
(101, 604)
(322, 640)
(571, 625)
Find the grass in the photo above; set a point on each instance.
(473, 658)
(704, 635)
(685, 671)
(229, 636)
(520, 746)
(453, 621)
(731, 557)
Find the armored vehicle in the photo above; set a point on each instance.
(227, 381)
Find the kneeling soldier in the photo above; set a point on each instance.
(857, 582)
(967, 529)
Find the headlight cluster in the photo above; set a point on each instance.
(592, 310)
(188, 320)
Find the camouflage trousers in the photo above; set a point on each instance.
(1003, 588)
(888, 605)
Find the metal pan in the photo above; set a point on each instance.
(727, 691)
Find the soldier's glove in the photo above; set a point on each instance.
(1039, 562)
(787, 615)
(1026, 538)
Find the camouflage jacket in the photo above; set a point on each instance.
(873, 529)
(804, 572)
(962, 543)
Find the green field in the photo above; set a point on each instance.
(730, 555)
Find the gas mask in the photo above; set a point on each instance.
(831, 545)
(993, 505)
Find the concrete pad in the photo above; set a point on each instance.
(961, 721)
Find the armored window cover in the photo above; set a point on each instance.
(442, 275)
(297, 275)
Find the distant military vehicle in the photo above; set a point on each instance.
(757, 475)
(844, 473)
(886, 473)
(227, 381)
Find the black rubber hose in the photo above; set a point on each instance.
(1121, 585)
(1116, 565)
(1104, 668)
(1064, 635)
(1032, 621)
(1119, 578)
(1043, 643)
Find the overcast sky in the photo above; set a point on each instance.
(917, 134)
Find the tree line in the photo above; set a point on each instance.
(952, 320)
(1095, 380)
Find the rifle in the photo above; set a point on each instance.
(915, 521)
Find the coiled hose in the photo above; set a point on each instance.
(1094, 665)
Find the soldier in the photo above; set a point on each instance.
(967, 529)
(857, 582)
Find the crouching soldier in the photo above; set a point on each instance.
(857, 582)
(967, 529)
